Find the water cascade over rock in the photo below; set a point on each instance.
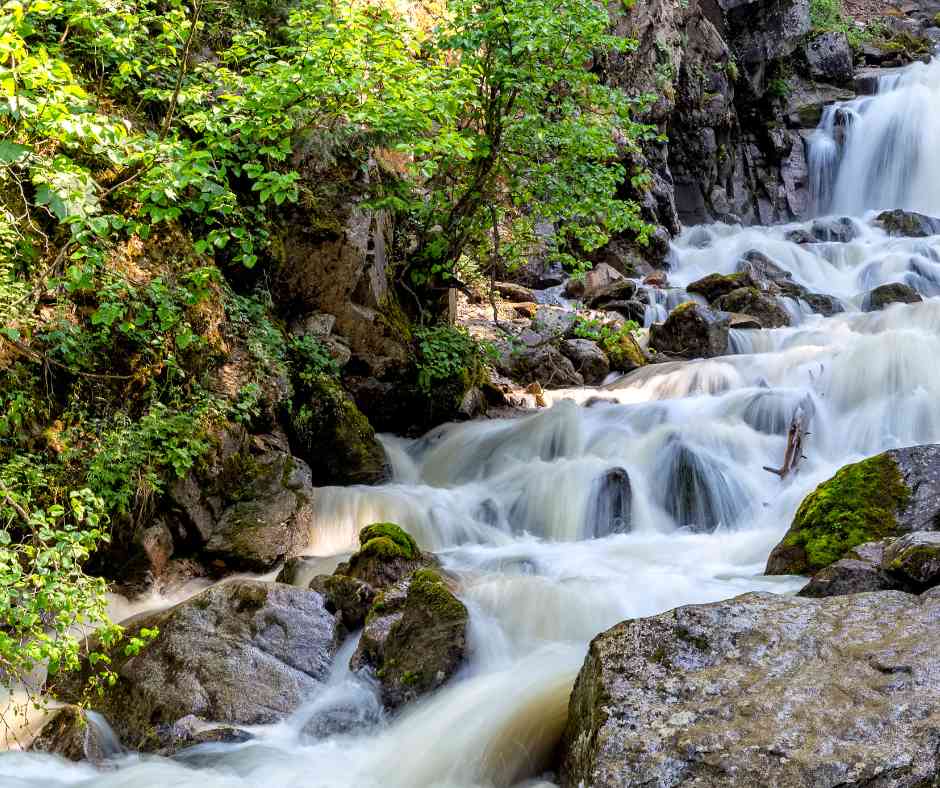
(559, 524)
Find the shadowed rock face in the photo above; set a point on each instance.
(762, 690)
(691, 331)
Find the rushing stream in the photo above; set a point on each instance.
(512, 506)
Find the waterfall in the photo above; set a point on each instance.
(623, 500)
(882, 151)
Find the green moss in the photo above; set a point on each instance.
(859, 504)
(428, 591)
(402, 541)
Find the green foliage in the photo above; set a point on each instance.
(48, 605)
(445, 353)
(403, 541)
(607, 334)
(829, 16)
(779, 87)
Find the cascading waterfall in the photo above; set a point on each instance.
(621, 501)
(881, 151)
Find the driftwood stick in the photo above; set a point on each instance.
(794, 452)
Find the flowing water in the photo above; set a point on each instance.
(534, 517)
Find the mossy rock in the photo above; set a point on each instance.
(333, 436)
(388, 554)
(625, 354)
(716, 285)
(861, 503)
(415, 637)
(914, 560)
(751, 301)
(348, 596)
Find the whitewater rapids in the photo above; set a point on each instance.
(511, 506)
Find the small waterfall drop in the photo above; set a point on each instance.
(882, 151)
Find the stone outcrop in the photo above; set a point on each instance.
(691, 331)
(888, 495)
(243, 652)
(248, 506)
(891, 293)
(762, 690)
(829, 57)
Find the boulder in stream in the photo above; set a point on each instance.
(714, 286)
(415, 637)
(691, 331)
(908, 224)
(751, 301)
(891, 293)
(883, 496)
(611, 504)
(762, 690)
(589, 360)
(243, 652)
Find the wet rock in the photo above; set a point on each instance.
(822, 304)
(840, 230)
(299, 569)
(415, 637)
(857, 572)
(891, 293)
(908, 224)
(914, 559)
(714, 286)
(249, 506)
(801, 236)
(76, 735)
(743, 322)
(883, 496)
(761, 690)
(588, 359)
(191, 731)
(544, 364)
(656, 279)
(612, 499)
(346, 596)
(333, 436)
(631, 310)
(829, 57)
(513, 292)
(751, 301)
(387, 553)
(692, 331)
(624, 353)
(243, 652)
(616, 291)
(762, 271)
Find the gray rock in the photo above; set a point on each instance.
(692, 331)
(589, 360)
(914, 559)
(249, 506)
(751, 301)
(859, 571)
(513, 292)
(762, 690)
(908, 224)
(822, 304)
(829, 57)
(243, 652)
(891, 293)
(544, 364)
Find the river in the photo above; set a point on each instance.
(510, 506)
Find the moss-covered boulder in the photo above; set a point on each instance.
(883, 496)
(908, 224)
(625, 353)
(891, 293)
(751, 301)
(387, 555)
(691, 331)
(242, 652)
(716, 285)
(333, 436)
(415, 637)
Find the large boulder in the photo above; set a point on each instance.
(762, 690)
(243, 652)
(333, 435)
(248, 506)
(883, 496)
(891, 293)
(751, 301)
(908, 224)
(857, 571)
(415, 637)
(588, 359)
(914, 559)
(829, 57)
(691, 331)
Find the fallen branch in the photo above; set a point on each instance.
(794, 453)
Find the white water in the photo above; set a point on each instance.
(511, 506)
